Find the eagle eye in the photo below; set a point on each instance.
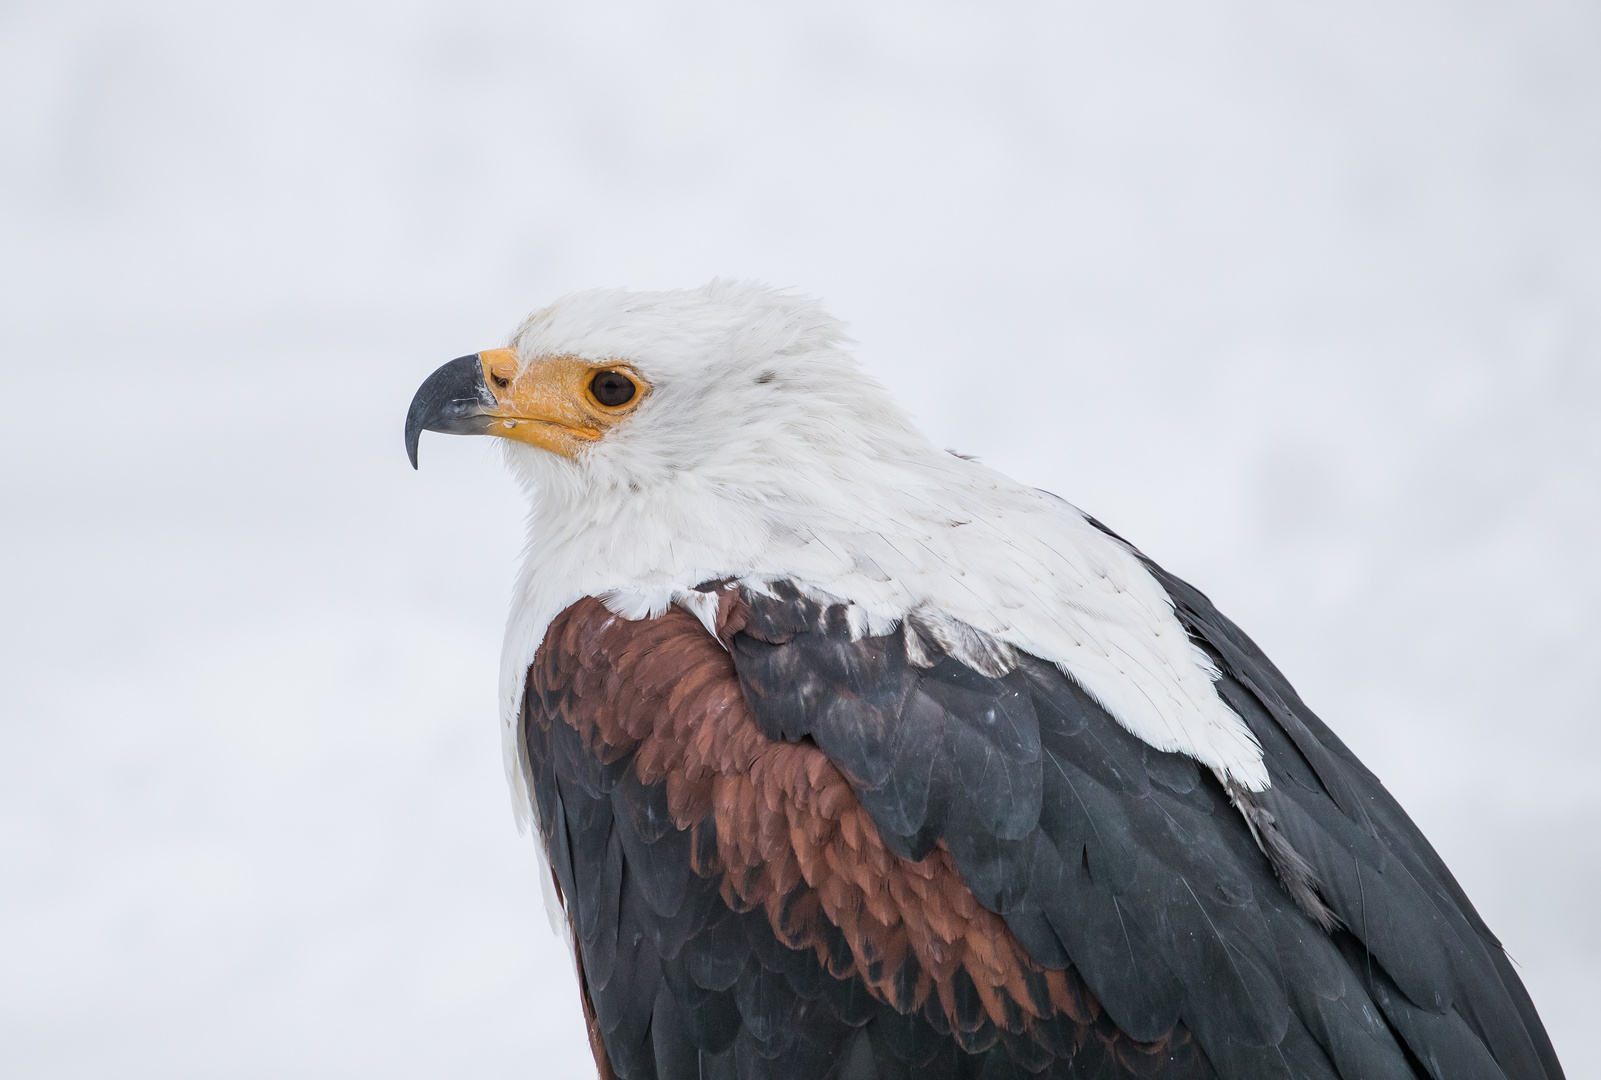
(612, 388)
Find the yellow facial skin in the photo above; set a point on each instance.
(549, 404)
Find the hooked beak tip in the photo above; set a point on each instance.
(453, 399)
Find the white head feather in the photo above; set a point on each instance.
(764, 452)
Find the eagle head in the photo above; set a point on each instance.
(627, 391)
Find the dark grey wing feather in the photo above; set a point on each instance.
(1134, 867)
(1377, 871)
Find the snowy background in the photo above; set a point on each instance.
(1306, 303)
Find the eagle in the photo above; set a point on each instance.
(854, 758)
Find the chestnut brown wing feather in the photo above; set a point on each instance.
(736, 907)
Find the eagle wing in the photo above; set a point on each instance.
(1441, 978)
(789, 850)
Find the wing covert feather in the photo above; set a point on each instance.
(735, 905)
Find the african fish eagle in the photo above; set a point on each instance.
(854, 758)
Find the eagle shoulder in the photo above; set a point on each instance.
(733, 900)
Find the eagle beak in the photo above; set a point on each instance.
(455, 399)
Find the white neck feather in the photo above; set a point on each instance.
(927, 532)
(730, 476)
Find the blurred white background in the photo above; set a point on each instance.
(1305, 303)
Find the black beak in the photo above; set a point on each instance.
(453, 399)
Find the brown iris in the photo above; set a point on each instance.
(612, 388)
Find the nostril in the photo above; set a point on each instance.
(500, 382)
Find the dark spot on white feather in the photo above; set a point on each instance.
(765, 377)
